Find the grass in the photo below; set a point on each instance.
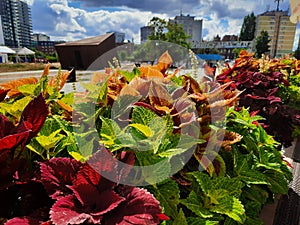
(7, 67)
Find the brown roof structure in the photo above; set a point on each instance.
(82, 53)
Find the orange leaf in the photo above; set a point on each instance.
(62, 80)
(13, 85)
(64, 106)
(46, 70)
(99, 77)
(164, 62)
(150, 72)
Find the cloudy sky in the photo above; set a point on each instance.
(76, 19)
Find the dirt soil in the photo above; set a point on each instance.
(7, 67)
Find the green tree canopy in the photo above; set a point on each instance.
(262, 44)
(169, 32)
(159, 27)
(248, 28)
(177, 35)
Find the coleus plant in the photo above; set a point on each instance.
(56, 138)
(160, 107)
(150, 109)
(260, 80)
(83, 193)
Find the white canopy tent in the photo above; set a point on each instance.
(24, 52)
(3, 53)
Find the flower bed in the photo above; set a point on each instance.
(138, 147)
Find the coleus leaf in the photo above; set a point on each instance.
(168, 194)
(26, 221)
(140, 207)
(34, 115)
(32, 120)
(10, 142)
(57, 173)
(226, 204)
(180, 219)
(13, 85)
(7, 127)
(3, 94)
(100, 170)
(193, 203)
(67, 211)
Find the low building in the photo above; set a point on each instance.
(82, 54)
(145, 33)
(225, 48)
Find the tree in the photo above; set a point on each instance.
(248, 28)
(262, 44)
(169, 32)
(177, 35)
(159, 26)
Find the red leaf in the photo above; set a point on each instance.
(57, 173)
(67, 211)
(6, 126)
(162, 216)
(3, 94)
(102, 165)
(97, 202)
(34, 115)
(140, 207)
(10, 142)
(23, 221)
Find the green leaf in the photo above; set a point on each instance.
(278, 182)
(224, 203)
(144, 129)
(28, 89)
(109, 131)
(130, 75)
(200, 221)
(123, 106)
(252, 177)
(232, 185)
(102, 95)
(180, 219)
(196, 206)
(68, 99)
(16, 109)
(168, 194)
(256, 193)
(143, 116)
(50, 141)
(160, 170)
(50, 126)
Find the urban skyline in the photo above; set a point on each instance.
(75, 20)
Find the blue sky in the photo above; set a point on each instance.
(76, 19)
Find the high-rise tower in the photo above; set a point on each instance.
(16, 23)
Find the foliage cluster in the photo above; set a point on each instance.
(270, 87)
(211, 162)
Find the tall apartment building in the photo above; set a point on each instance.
(281, 31)
(191, 26)
(16, 23)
